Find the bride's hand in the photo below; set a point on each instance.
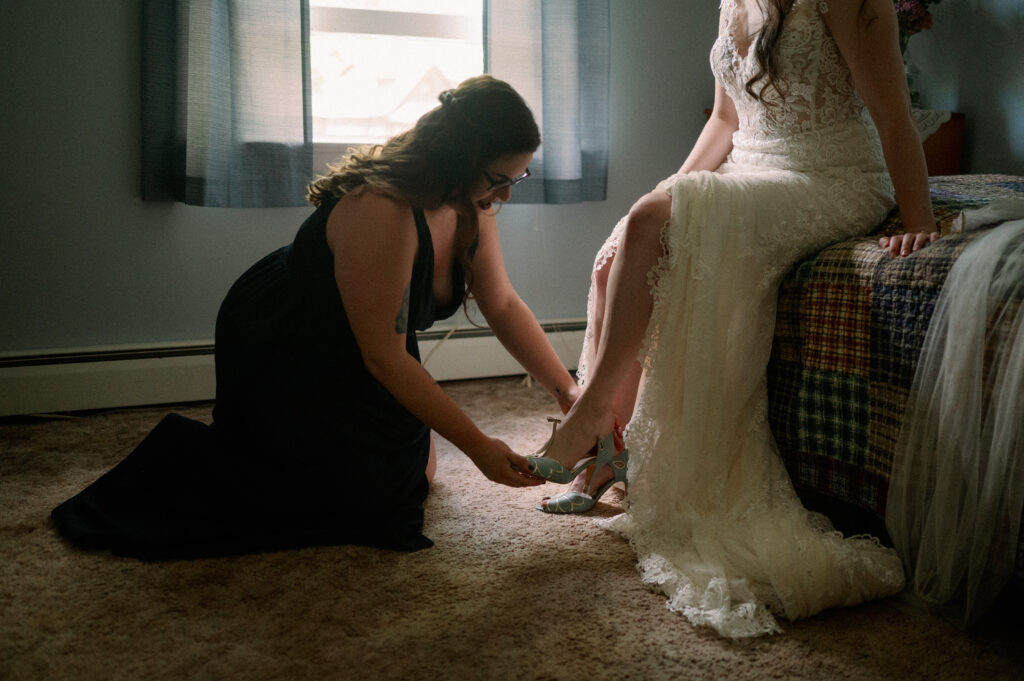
(905, 244)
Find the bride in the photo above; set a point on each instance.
(810, 141)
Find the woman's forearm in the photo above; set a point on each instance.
(520, 333)
(416, 390)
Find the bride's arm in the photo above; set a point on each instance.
(715, 141)
(867, 34)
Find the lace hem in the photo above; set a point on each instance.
(736, 607)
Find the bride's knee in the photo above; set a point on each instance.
(647, 217)
(601, 273)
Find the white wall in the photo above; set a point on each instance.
(972, 61)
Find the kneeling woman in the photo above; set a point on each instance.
(321, 431)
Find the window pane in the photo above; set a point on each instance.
(369, 86)
(465, 8)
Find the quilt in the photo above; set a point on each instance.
(849, 329)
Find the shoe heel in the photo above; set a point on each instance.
(547, 445)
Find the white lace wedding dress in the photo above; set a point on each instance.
(712, 513)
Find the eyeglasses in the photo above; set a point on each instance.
(503, 182)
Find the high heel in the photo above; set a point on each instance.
(581, 502)
(552, 470)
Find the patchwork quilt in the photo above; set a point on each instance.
(850, 327)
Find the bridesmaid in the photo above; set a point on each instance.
(323, 416)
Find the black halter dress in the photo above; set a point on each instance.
(306, 448)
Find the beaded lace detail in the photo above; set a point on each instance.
(804, 126)
(711, 511)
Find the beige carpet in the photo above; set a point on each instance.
(507, 592)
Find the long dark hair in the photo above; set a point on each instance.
(440, 159)
(774, 12)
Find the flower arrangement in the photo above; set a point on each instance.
(914, 17)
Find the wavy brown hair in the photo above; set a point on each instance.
(440, 159)
(766, 49)
(775, 12)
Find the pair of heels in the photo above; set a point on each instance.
(573, 501)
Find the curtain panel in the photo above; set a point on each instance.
(226, 102)
(556, 53)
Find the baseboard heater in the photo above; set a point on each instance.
(164, 373)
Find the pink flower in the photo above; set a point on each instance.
(913, 16)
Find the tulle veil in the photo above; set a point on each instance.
(957, 486)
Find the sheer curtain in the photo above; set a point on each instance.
(556, 54)
(226, 102)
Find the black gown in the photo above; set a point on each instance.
(306, 447)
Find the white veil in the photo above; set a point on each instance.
(957, 486)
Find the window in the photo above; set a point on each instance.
(239, 67)
(378, 65)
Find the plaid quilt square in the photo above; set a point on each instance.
(784, 383)
(899, 322)
(888, 403)
(787, 345)
(834, 479)
(833, 416)
(837, 317)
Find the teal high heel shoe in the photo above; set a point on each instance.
(552, 470)
(581, 502)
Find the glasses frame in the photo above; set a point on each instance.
(507, 182)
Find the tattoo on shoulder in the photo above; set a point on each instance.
(402, 320)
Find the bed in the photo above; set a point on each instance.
(850, 327)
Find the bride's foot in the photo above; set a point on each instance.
(609, 467)
(575, 440)
(545, 467)
(583, 484)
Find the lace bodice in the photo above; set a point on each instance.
(815, 118)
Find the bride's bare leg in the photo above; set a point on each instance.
(612, 380)
(625, 397)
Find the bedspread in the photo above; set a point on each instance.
(849, 329)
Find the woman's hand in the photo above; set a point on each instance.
(500, 464)
(905, 244)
